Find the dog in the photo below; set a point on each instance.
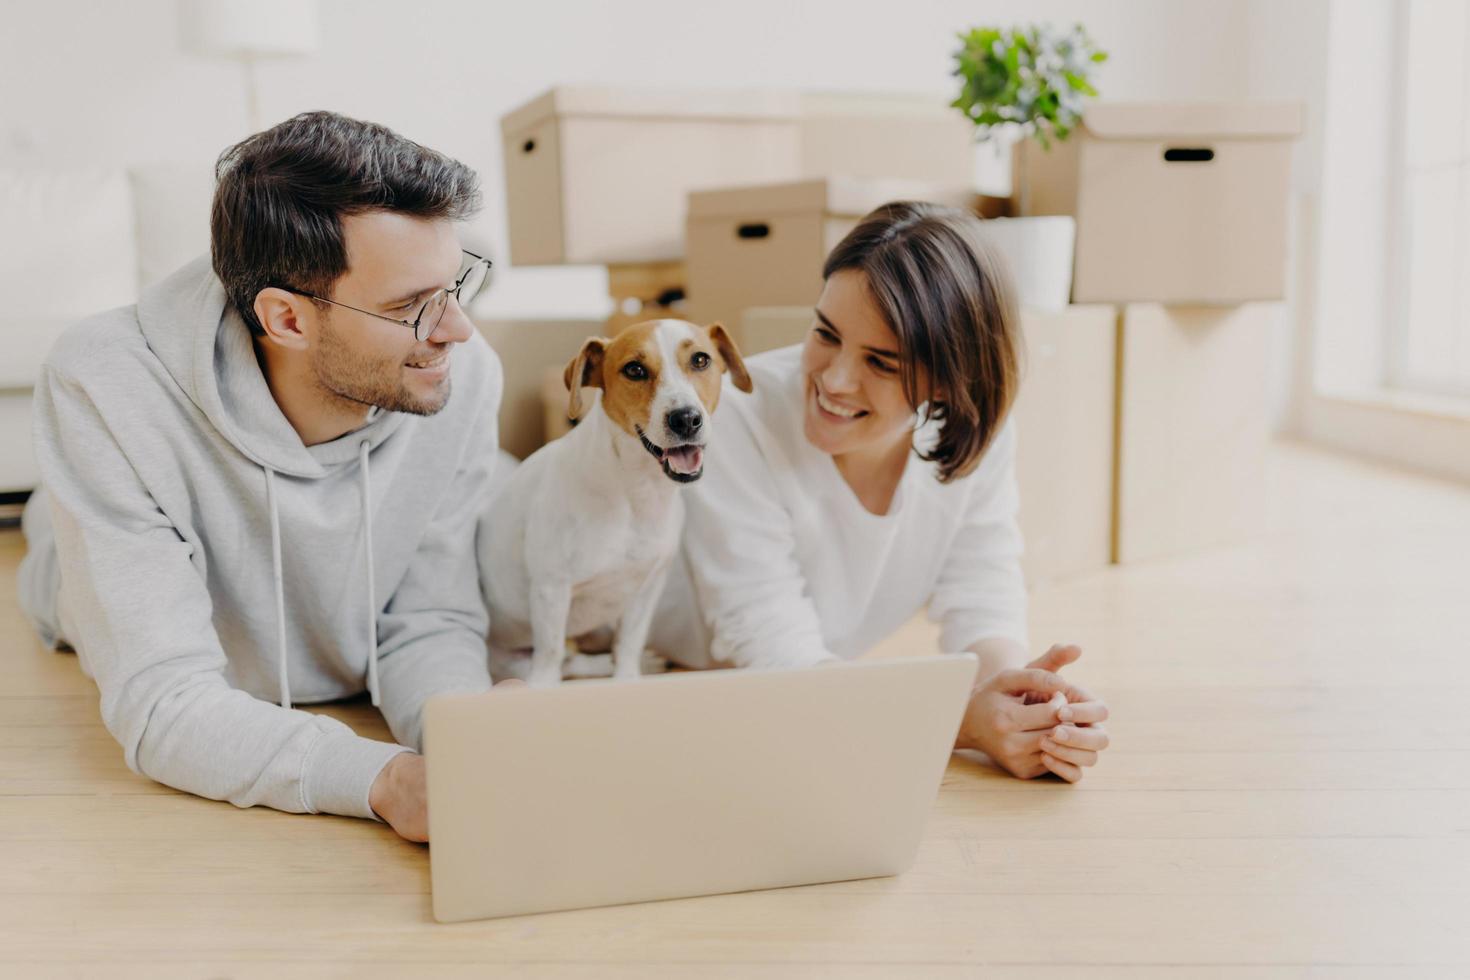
(582, 533)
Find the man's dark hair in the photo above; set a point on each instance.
(280, 197)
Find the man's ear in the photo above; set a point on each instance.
(584, 371)
(280, 314)
(730, 354)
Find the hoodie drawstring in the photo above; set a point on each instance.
(367, 518)
(270, 496)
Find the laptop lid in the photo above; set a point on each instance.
(599, 792)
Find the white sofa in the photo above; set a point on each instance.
(74, 242)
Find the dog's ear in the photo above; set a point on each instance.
(730, 354)
(584, 371)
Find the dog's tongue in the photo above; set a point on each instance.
(684, 459)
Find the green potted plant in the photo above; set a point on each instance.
(1023, 83)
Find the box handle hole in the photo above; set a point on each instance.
(756, 230)
(1182, 154)
(528, 146)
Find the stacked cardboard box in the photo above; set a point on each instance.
(1181, 220)
(599, 176)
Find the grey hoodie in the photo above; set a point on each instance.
(211, 570)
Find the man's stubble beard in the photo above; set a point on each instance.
(343, 373)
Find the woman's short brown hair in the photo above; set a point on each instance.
(948, 298)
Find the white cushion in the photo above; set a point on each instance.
(26, 342)
(171, 205)
(66, 249)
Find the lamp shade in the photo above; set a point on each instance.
(250, 28)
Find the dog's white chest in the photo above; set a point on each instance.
(613, 573)
(600, 601)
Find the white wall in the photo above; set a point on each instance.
(1360, 136)
(107, 84)
(1287, 57)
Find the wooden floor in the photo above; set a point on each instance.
(1287, 795)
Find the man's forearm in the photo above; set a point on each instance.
(416, 669)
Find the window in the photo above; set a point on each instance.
(1429, 333)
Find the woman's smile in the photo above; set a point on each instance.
(833, 410)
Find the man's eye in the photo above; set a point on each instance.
(634, 371)
(699, 361)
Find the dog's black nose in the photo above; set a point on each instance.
(685, 422)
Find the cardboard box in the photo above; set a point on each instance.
(1193, 426)
(1064, 441)
(530, 351)
(651, 291)
(882, 135)
(598, 176)
(1064, 419)
(765, 246)
(556, 403)
(763, 328)
(1180, 203)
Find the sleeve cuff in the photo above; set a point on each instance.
(961, 634)
(339, 772)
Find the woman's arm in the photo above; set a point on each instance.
(1015, 715)
(996, 654)
(980, 594)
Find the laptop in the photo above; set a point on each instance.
(601, 792)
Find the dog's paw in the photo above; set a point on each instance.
(507, 664)
(579, 666)
(583, 665)
(548, 679)
(652, 663)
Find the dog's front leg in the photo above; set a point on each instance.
(637, 619)
(549, 605)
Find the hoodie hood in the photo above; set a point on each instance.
(204, 344)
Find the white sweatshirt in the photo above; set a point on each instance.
(781, 565)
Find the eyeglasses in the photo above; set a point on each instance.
(432, 311)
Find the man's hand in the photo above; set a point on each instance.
(400, 794)
(1013, 718)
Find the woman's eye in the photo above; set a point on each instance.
(881, 365)
(699, 361)
(634, 371)
(827, 335)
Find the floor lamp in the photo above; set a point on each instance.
(248, 31)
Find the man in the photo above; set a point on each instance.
(258, 491)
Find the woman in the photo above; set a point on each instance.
(871, 473)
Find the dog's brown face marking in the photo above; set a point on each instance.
(630, 377)
(728, 358)
(628, 367)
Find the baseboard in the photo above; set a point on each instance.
(12, 502)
